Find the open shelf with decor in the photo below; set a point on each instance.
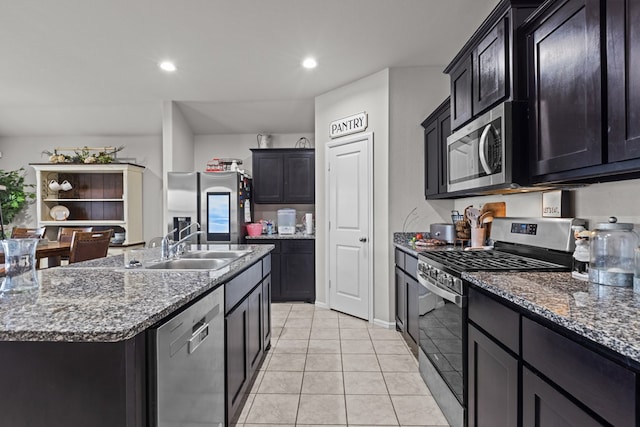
(98, 195)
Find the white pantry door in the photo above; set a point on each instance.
(350, 217)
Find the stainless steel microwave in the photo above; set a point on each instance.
(489, 153)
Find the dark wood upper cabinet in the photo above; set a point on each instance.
(284, 175)
(490, 70)
(299, 177)
(437, 127)
(623, 79)
(268, 177)
(461, 93)
(444, 131)
(431, 161)
(486, 70)
(565, 87)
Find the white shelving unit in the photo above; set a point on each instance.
(103, 195)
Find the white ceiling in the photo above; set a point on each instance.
(88, 67)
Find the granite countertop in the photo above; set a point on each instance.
(401, 241)
(607, 315)
(101, 301)
(277, 236)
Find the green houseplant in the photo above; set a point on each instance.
(17, 195)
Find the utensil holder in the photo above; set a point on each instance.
(477, 237)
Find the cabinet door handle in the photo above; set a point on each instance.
(363, 239)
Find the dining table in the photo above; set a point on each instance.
(52, 250)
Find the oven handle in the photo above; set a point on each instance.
(449, 296)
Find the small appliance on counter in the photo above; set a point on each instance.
(443, 232)
(308, 223)
(611, 253)
(286, 221)
(580, 269)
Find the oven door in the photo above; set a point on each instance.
(476, 153)
(442, 345)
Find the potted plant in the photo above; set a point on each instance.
(16, 195)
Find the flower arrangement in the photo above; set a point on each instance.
(84, 155)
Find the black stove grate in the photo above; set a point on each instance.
(491, 260)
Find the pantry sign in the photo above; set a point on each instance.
(348, 125)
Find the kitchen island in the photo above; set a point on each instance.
(75, 351)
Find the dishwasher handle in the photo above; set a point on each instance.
(198, 336)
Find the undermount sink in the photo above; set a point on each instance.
(191, 264)
(230, 254)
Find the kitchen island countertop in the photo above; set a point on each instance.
(101, 301)
(606, 315)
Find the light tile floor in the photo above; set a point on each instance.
(327, 368)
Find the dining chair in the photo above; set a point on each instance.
(66, 233)
(27, 233)
(89, 245)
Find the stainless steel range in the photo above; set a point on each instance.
(520, 244)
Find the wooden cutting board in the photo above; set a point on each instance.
(497, 209)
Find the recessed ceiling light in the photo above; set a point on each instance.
(309, 63)
(167, 66)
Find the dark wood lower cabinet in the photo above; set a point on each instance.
(544, 406)
(237, 352)
(266, 312)
(562, 380)
(401, 300)
(412, 310)
(64, 384)
(255, 333)
(493, 383)
(293, 269)
(407, 291)
(297, 271)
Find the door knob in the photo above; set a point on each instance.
(363, 239)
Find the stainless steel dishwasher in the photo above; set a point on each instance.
(187, 366)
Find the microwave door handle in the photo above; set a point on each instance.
(449, 296)
(483, 149)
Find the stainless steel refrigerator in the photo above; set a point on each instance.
(219, 201)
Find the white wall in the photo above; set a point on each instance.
(370, 94)
(397, 100)
(177, 139)
(595, 202)
(146, 150)
(238, 146)
(414, 93)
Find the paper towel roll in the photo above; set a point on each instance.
(308, 223)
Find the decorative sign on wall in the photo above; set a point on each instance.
(348, 125)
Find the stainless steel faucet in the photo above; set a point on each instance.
(169, 249)
(188, 227)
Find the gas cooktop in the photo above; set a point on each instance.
(490, 260)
